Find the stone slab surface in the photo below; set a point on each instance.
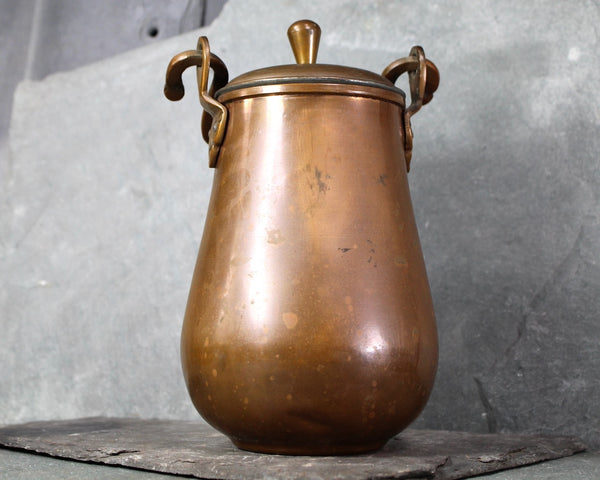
(21, 465)
(193, 448)
(105, 190)
(585, 466)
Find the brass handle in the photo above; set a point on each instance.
(213, 130)
(424, 79)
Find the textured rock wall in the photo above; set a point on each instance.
(107, 185)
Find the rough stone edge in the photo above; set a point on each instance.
(553, 450)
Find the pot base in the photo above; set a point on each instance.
(308, 449)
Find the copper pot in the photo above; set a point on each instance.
(309, 327)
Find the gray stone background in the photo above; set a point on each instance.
(104, 187)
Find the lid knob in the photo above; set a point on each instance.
(304, 36)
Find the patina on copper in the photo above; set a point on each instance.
(309, 326)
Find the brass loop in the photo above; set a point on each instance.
(213, 129)
(421, 89)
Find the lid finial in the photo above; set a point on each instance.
(304, 36)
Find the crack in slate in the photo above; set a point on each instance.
(490, 412)
(557, 274)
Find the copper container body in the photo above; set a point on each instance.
(309, 327)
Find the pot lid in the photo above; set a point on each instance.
(304, 36)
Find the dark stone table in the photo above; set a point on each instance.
(195, 449)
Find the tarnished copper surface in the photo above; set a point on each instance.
(309, 327)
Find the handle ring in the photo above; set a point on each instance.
(213, 130)
(423, 78)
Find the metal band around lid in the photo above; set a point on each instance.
(323, 85)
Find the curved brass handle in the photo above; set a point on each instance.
(424, 79)
(213, 131)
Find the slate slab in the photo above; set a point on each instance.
(193, 448)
